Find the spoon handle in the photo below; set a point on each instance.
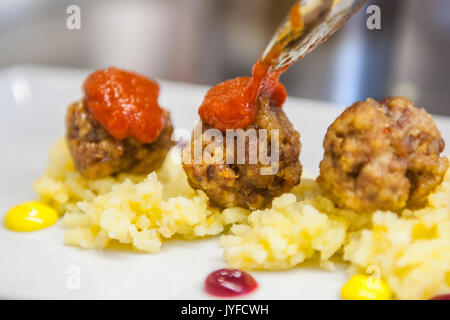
(309, 23)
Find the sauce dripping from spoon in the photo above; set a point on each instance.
(231, 104)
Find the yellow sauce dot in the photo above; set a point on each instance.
(30, 216)
(363, 287)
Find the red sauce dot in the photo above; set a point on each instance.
(229, 105)
(229, 283)
(441, 297)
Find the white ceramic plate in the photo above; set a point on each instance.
(39, 265)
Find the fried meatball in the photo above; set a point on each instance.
(97, 154)
(382, 156)
(243, 185)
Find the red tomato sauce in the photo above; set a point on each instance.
(231, 104)
(125, 104)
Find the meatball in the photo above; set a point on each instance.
(97, 154)
(382, 155)
(243, 185)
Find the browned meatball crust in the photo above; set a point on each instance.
(382, 156)
(243, 185)
(97, 154)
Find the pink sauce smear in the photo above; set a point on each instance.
(230, 283)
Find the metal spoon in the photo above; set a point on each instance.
(309, 23)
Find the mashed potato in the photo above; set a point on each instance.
(410, 250)
(298, 225)
(136, 210)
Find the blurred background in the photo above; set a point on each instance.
(207, 41)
